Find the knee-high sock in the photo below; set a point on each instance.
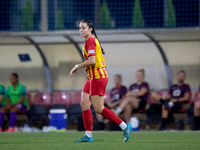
(197, 121)
(87, 119)
(110, 115)
(13, 116)
(163, 122)
(1, 118)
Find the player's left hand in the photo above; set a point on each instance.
(73, 71)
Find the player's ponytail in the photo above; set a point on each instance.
(91, 25)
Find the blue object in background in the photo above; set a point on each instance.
(24, 57)
(58, 118)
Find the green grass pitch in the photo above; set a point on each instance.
(102, 141)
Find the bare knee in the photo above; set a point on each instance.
(98, 109)
(164, 109)
(127, 109)
(3, 110)
(85, 106)
(85, 101)
(197, 105)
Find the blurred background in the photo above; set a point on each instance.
(161, 36)
(39, 40)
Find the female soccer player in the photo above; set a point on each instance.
(16, 102)
(94, 88)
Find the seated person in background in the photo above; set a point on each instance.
(16, 102)
(117, 96)
(136, 97)
(197, 113)
(173, 102)
(2, 96)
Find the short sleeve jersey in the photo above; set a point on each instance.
(177, 91)
(117, 93)
(136, 88)
(93, 48)
(15, 94)
(3, 93)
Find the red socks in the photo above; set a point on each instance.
(87, 119)
(110, 115)
(107, 113)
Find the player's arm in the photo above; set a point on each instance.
(185, 98)
(22, 98)
(9, 105)
(142, 92)
(167, 97)
(1, 98)
(91, 61)
(2, 92)
(8, 102)
(111, 105)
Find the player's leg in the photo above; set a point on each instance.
(127, 113)
(3, 110)
(13, 116)
(87, 113)
(196, 116)
(100, 125)
(165, 113)
(156, 96)
(87, 118)
(98, 104)
(123, 104)
(99, 118)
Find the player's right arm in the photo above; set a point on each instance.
(112, 105)
(91, 61)
(91, 53)
(122, 93)
(9, 105)
(167, 97)
(142, 92)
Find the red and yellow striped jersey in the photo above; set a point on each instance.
(98, 70)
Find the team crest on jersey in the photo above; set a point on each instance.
(177, 92)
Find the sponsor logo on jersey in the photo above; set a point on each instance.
(91, 52)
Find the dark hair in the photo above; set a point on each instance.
(91, 25)
(181, 71)
(16, 76)
(143, 72)
(119, 76)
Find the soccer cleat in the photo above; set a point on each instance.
(11, 129)
(162, 128)
(127, 132)
(84, 139)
